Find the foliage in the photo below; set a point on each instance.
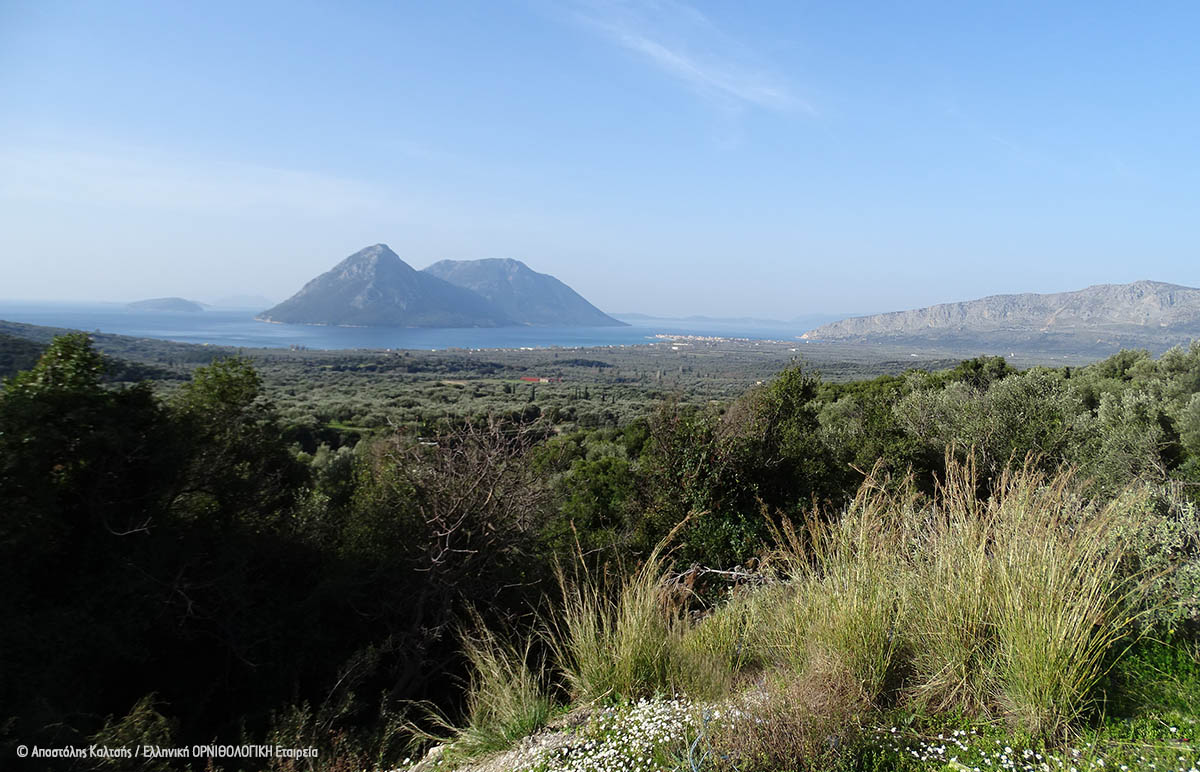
(1164, 538)
(765, 453)
(290, 546)
(143, 725)
(240, 466)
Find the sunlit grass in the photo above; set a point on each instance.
(619, 643)
(1002, 613)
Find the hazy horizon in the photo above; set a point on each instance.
(659, 157)
(227, 303)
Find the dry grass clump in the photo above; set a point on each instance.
(506, 698)
(853, 593)
(813, 723)
(1018, 599)
(626, 643)
(1059, 599)
(1003, 608)
(952, 626)
(739, 637)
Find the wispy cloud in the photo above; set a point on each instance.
(682, 42)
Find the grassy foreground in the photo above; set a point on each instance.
(1029, 629)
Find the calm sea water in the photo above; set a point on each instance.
(238, 328)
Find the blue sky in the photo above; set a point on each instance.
(722, 158)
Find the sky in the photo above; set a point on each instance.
(759, 158)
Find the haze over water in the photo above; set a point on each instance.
(239, 328)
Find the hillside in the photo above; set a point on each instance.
(17, 354)
(374, 287)
(956, 613)
(524, 295)
(1152, 314)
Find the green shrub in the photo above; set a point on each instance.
(1164, 538)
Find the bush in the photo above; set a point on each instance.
(767, 450)
(1164, 538)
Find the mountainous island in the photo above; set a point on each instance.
(522, 294)
(374, 287)
(165, 304)
(1147, 314)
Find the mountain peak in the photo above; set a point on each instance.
(374, 254)
(376, 249)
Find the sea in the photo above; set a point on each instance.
(238, 327)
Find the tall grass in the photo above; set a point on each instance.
(740, 636)
(1060, 601)
(951, 628)
(1021, 597)
(855, 596)
(1005, 608)
(622, 641)
(506, 699)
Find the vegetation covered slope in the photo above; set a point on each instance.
(909, 632)
(198, 576)
(17, 354)
(524, 295)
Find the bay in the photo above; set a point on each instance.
(226, 327)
